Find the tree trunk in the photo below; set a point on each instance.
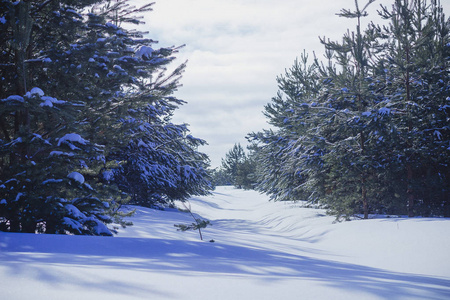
(409, 170)
(410, 191)
(29, 227)
(364, 196)
(14, 225)
(365, 203)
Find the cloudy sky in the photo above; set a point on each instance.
(235, 50)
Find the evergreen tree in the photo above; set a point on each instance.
(42, 154)
(288, 155)
(368, 128)
(245, 173)
(100, 118)
(160, 161)
(417, 71)
(220, 177)
(239, 167)
(232, 160)
(352, 150)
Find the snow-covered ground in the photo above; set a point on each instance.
(262, 250)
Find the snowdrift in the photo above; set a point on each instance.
(262, 250)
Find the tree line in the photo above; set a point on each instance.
(365, 131)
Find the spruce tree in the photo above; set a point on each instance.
(42, 152)
(102, 106)
(159, 160)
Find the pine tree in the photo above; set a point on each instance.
(220, 177)
(288, 155)
(368, 128)
(239, 167)
(417, 40)
(351, 136)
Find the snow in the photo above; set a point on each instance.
(111, 25)
(51, 180)
(437, 134)
(262, 250)
(37, 91)
(118, 68)
(77, 177)
(60, 153)
(49, 101)
(108, 175)
(384, 111)
(144, 52)
(141, 143)
(75, 212)
(74, 224)
(18, 196)
(72, 11)
(72, 138)
(13, 98)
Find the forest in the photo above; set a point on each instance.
(86, 107)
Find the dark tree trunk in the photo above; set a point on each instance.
(410, 191)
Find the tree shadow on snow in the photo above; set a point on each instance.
(214, 259)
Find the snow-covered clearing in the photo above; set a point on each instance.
(262, 250)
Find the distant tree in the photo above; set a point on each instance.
(220, 177)
(239, 167)
(246, 172)
(233, 159)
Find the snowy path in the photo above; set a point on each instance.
(262, 250)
